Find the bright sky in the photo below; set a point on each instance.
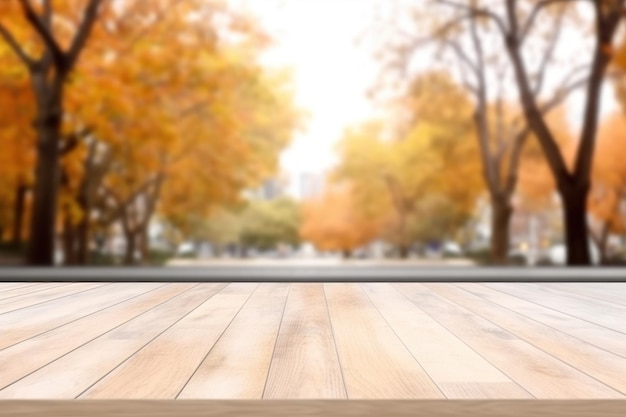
(317, 39)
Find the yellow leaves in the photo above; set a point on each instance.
(71, 209)
(609, 174)
(618, 54)
(336, 222)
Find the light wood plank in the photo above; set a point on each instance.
(237, 365)
(305, 363)
(459, 371)
(23, 324)
(537, 372)
(49, 294)
(18, 290)
(80, 369)
(162, 368)
(375, 363)
(598, 336)
(610, 316)
(6, 285)
(605, 367)
(26, 357)
(612, 292)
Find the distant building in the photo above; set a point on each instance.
(271, 189)
(311, 185)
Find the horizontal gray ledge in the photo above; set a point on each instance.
(311, 274)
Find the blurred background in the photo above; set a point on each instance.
(189, 132)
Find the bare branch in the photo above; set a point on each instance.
(462, 55)
(539, 6)
(516, 155)
(44, 32)
(47, 13)
(83, 32)
(15, 46)
(547, 57)
(478, 11)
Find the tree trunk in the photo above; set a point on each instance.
(145, 244)
(500, 224)
(69, 242)
(47, 173)
(403, 251)
(83, 230)
(346, 253)
(131, 246)
(602, 241)
(18, 214)
(576, 234)
(82, 234)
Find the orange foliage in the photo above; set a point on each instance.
(609, 175)
(334, 222)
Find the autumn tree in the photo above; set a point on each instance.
(466, 41)
(335, 222)
(403, 168)
(266, 224)
(57, 34)
(608, 192)
(158, 121)
(17, 159)
(514, 26)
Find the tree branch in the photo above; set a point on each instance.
(44, 32)
(547, 57)
(539, 6)
(477, 11)
(83, 32)
(15, 46)
(607, 26)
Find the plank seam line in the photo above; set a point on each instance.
(151, 340)
(55, 299)
(464, 342)
(402, 341)
(548, 325)
(217, 340)
(2, 300)
(588, 296)
(94, 338)
(522, 338)
(332, 332)
(558, 311)
(280, 326)
(80, 318)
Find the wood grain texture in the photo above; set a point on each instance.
(26, 357)
(459, 371)
(5, 285)
(49, 294)
(537, 372)
(305, 362)
(608, 315)
(612, 292)
(312, 341)
(74, 373)
(162, 367)
(605, 367)
(25, 323)
(310, 408)
(237, 365)
(601, 337)
(7, 293)
(375, 363)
